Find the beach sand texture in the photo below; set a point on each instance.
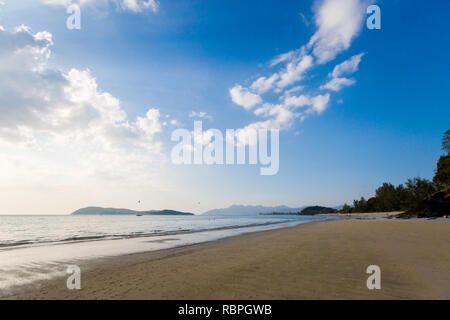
(323, 260)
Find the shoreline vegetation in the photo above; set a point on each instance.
(308, 211)
(418, 197)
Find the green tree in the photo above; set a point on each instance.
(387, 198)
(373, 205)
(346, 209)
(442, 176)
(360, 206)
(418, 190)
(446, 142)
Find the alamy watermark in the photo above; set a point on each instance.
(74, 280)
(236, 147)
(74, 19)
(374, 20)
(374, 281)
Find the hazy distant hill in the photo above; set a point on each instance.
(114, 211)
(237, 210)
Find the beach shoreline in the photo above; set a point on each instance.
(317, 260)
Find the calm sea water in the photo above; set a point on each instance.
(36, 248)
(27, 230)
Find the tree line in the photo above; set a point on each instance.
(406, 196)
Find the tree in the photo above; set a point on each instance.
(418, 190)
(360, 206)
(442, 176)
(446, 142)
(346, 209)
(402, 197)
(373, 205)
(387, 199)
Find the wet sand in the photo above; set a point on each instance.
(321, 260)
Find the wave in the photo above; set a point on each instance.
(154, 233)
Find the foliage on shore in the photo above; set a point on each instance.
(308, 211)
(317, 210)
(417, 196)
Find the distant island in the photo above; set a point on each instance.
(241, 210)
(114, 211)
(310, 211)
(318, 210)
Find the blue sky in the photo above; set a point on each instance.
(186, 57)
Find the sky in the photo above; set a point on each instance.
(87, 115)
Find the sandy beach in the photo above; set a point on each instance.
(320, 260)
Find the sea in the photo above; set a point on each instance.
(40, 247)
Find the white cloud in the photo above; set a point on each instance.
(293, 90)
(244, 98)
(294, 71)
(338, 23)
(280, 118)
(200, 114)
(347, 67)
(175, 122)
(65, 3)
(336, 84)
(126, 5)
(139, 5)
(320, 103)
(45, 109)
(282, 58)
(282, 115)
(297, 101)
(317, 103)
(263, 84)
(150, 124)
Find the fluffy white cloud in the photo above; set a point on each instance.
(263, 84)
(294, 71)
(347, 67)
(282, 115)
(127, 5)
(46, 109)
(336, 84)
(338, 23)
(317, 103)
(244, 98)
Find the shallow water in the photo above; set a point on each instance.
(41, 247)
